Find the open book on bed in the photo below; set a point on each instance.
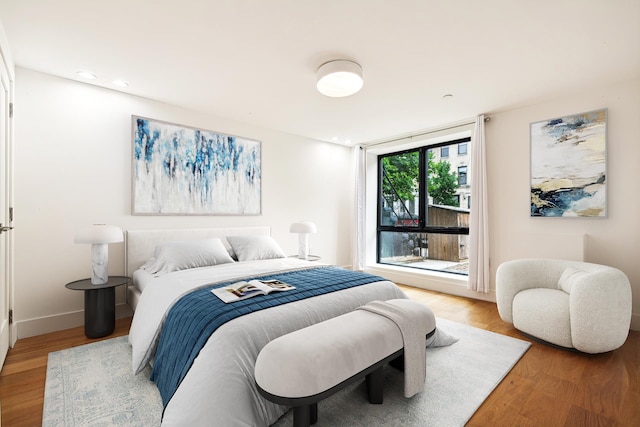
(243, 290)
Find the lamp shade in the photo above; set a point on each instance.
(99, 233)
(303, 227)
(339, 78)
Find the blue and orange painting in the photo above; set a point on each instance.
(569, 167)
(180, 170)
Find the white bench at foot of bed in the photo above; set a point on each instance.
(301, 368)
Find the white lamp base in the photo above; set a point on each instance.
(303, 246)
(99, 263)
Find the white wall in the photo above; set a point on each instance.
(73, 168)
(614, 240)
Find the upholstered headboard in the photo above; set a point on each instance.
(140, 244)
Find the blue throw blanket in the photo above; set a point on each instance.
(195, 316)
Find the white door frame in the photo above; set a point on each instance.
(8, 77)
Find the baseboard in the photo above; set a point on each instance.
(59, 322)
(635, 322)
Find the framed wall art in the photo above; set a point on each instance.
(569, 166)
(180, 170)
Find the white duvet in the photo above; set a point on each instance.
(219, 389)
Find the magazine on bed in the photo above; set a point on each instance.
(243, 290)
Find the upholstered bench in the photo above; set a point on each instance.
(301, 368)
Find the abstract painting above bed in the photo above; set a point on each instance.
(180, 170)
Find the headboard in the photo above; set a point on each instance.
(141, 244)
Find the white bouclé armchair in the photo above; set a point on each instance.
(571, 304)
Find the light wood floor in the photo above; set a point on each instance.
(548, 386)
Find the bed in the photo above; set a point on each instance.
(218, 387)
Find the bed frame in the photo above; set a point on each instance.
(141, 244)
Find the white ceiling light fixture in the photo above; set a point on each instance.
(120, 83)
(339, 78)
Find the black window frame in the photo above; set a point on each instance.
(442, 153)
(422, 226)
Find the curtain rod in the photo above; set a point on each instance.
(425, 133)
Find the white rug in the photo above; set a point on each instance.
(92, 385)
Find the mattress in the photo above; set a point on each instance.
(220, 384)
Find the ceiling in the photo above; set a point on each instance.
(255, 61)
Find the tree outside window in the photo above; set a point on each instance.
(419, 213)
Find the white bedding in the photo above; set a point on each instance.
(220, 389)
(141, 278)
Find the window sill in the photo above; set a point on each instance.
(448, 283)
(417, 274)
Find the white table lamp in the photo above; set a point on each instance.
(303, 229)
(99, 235)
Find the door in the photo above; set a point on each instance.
(5, 216)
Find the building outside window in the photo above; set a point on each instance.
(462, 175)
(462, 148)
(420, 221)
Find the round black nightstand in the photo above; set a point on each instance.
(99, 304)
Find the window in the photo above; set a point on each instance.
(420, 223)
(462, 175)
(462, 148)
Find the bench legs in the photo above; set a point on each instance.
(304, 416)
(375, 386)
(307, 415)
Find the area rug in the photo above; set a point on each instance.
(92, 385)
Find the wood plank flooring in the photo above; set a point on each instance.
(24, 372)
(548, 386)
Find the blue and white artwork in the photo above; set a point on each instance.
(179, 170)
(569, 166)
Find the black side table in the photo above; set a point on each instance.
(99, 304)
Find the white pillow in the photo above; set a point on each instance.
(251, 248)
(568, 278)
(184, 254)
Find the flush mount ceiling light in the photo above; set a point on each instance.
(339, 78)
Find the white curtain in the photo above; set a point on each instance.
(359, 155)
(479, 277)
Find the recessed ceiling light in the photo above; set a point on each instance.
(339, 78)
(86, 75)
(334, 139)
(120, 83)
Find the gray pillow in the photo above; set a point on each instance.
(184, 254)
(251, 248)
